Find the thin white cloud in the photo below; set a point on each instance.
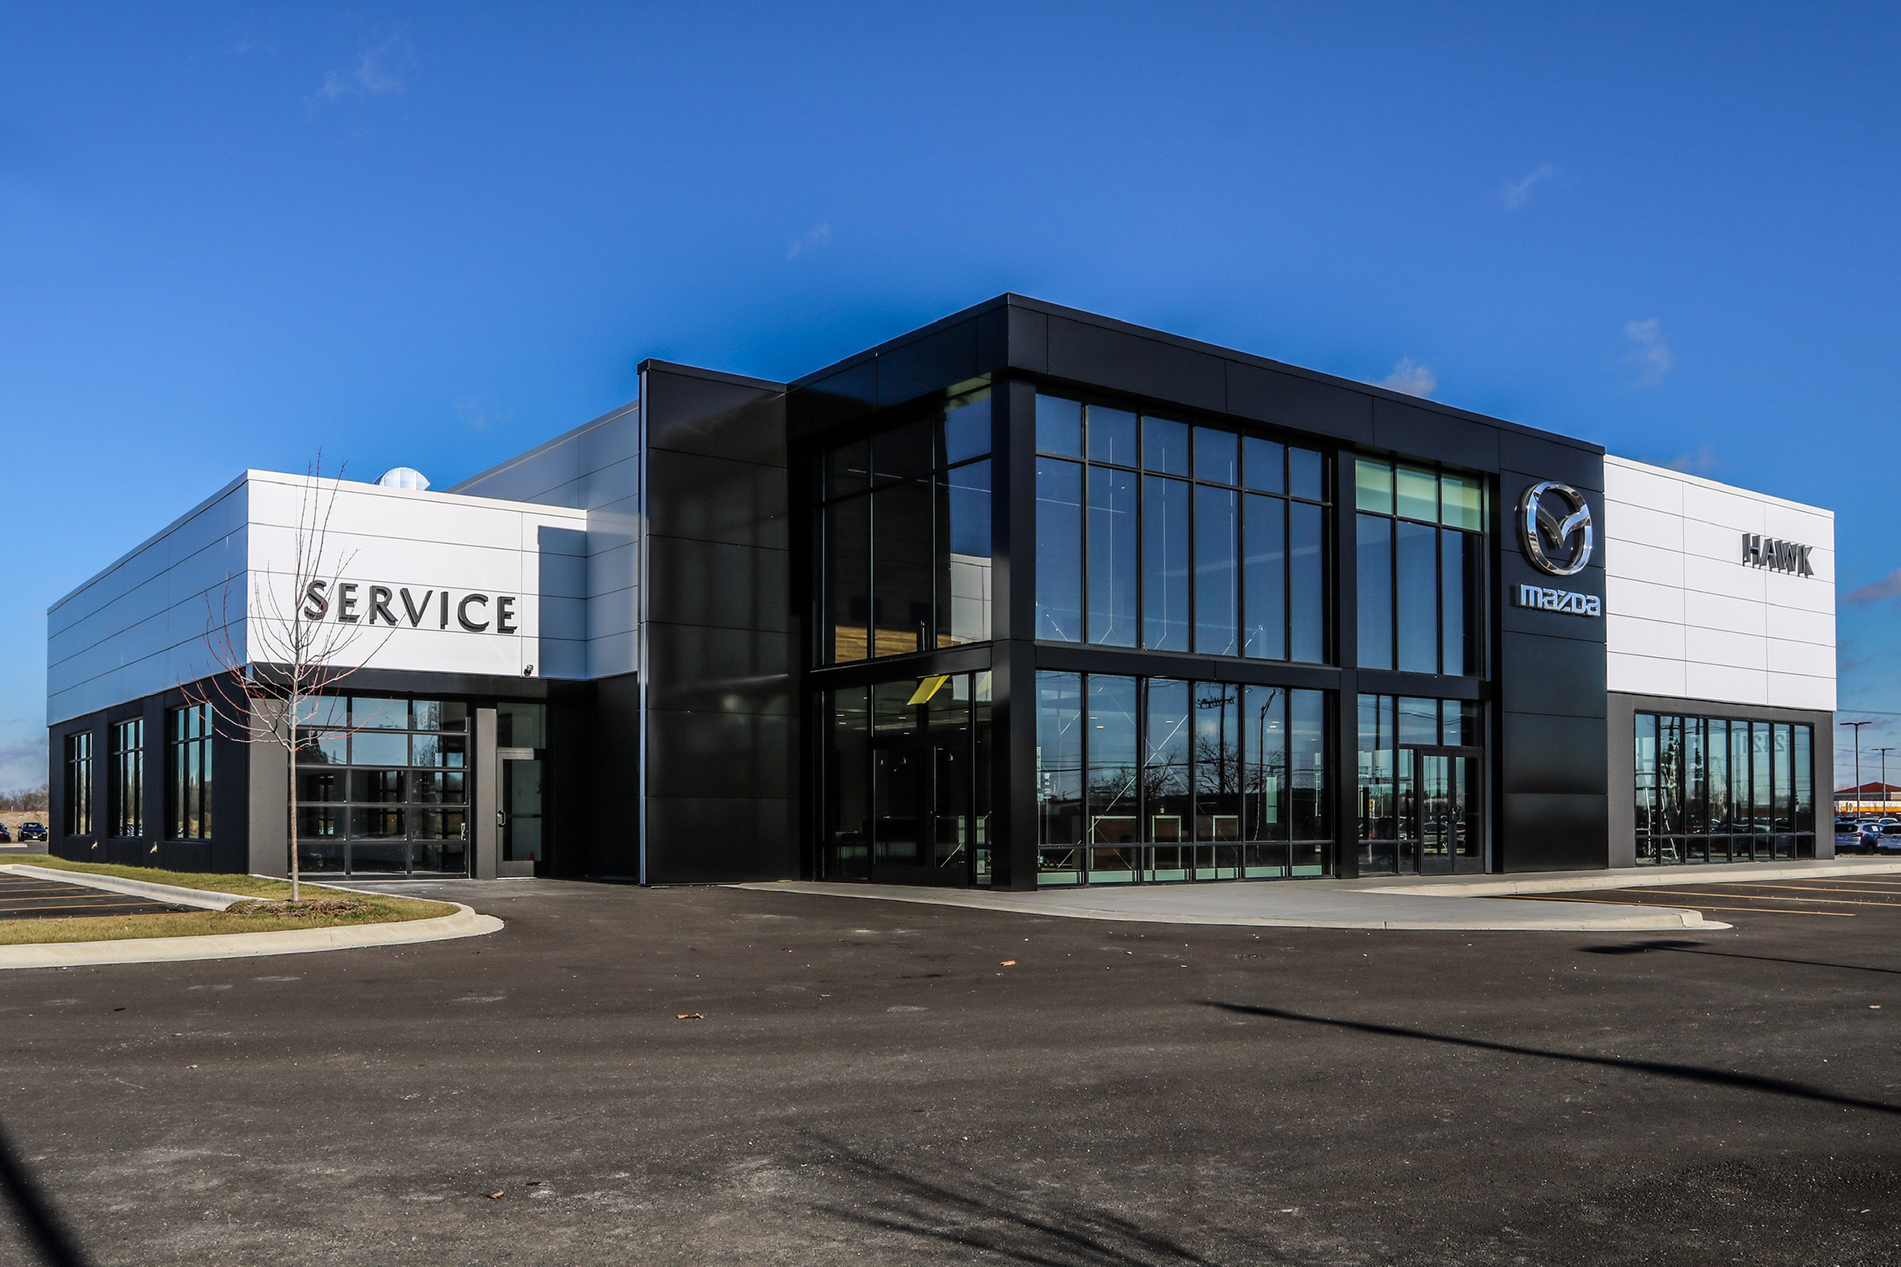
(813, 239)
(1412, 378)
(1887, 587)
(373, 76)
(1699, 461)
(1649, 352)
(1514, 194)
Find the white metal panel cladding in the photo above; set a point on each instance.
(516, 564)
(150, 621)
(1689, 616)
(140, 625)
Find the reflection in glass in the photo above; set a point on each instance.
(1217, 456)
(1059, 777)
(1375, 610)
(1418, 597)
(1059, 536)
(1416, 494)
(1217, 579)
(1373, 486)
(1114, 779)
(1307, 583)
(1165, 776)
(1059, 426)
(963, 575)
(847, 580)
(1165, 446)
(1306, 472)
(1113, 564)
(1112, 436)
(1263, 465)
(1264, 564)
(847, 795)
(966, 428)
(903, 579)
(374, 713)
(1165, 562)
(1217, 762)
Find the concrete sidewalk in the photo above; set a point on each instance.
(1446, 903)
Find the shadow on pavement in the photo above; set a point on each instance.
(38, 1220)
(1696, 948)
(981, 1216)
(1659, 1068)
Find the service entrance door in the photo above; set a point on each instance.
(1442, 824)
(520, 816)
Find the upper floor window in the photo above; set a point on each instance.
(1156, 533)
(904, 525)
(1421, 566)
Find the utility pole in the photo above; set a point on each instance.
(1884, 775)
(1857, 725)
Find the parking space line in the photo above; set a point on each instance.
(1824, 901)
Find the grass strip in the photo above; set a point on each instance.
(270, 912)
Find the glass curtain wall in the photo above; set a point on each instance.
(79, 784)
(1420, 537)
(128, 778)
(382, 785)
(905, 781)
(188, 773)
(904, 528)
(1157, 534)
(1146, 780)
(1723, 789)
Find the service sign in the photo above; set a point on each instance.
(410, 607)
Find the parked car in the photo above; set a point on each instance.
(1889, 841)
(3, 834)
(30, 830)
(1868, 840)
(1845, 827)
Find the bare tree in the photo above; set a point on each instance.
(267, 691)
(30, 799)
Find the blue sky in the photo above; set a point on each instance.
(436, 235)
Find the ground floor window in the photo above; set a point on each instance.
(1720, 789)
(905, 781)
(382, 785)
(1158, 779)
(79, 784)
(128, 778)
(188, 773)
(1421, 799)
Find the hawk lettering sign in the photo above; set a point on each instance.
(1554, 527)
(1777, 556)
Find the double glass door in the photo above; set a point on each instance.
(1441, 813)
(921, 813)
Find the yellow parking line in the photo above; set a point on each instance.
(1825, 901)
(1754, 910)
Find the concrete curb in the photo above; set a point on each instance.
(1624, 919)
(203, 899)
(291, 941)
(1626, 878)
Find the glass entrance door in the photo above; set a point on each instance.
(1441, 813)
(522, 844)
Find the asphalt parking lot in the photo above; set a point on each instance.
(863, 1082)
(27, 897)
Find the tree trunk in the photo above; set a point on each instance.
(290, 755)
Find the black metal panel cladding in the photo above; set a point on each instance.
(721, 633)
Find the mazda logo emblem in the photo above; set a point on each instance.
(1560, 542)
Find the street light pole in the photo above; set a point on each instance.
(1857, 725)
(1884, 775)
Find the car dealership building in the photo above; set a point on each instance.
(1026, 597)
